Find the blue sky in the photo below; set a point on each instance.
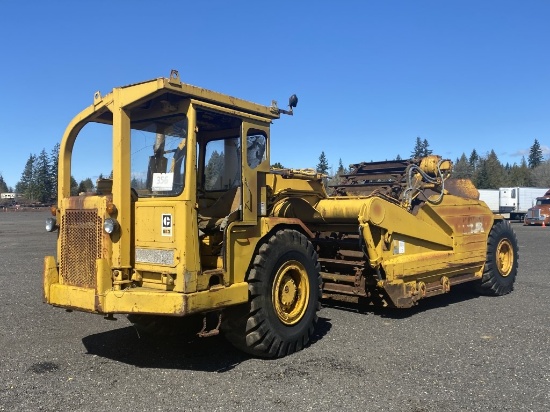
(371, 76)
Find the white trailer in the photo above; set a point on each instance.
(516, 200)
(491, 197)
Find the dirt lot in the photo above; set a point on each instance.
(458, 352)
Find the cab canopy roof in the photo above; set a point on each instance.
(167, 93)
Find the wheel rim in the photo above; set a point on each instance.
(505, 257)
(291, 292)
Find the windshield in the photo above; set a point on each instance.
(158, 149)
(543, 201)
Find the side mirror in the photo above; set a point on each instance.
(292, 101)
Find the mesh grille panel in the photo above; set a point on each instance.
(533, 213)
(80, 247)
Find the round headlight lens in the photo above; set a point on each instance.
(51, 224)
(110, 225)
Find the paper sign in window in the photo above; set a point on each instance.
(162, 182)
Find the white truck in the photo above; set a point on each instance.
(517, 200)
(491, 197)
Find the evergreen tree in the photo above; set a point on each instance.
(74, 187)
(54, 162)
(135, 183)
(490, 173)
(26, 186)
(341, 169)
(541, 175)
(3, 185)
(495, 170)
(425, 148)
(421, 149)
(277, 165)
(520, 175)
(474, 159)
(481, 176)
(417, 150)
(85, 186)
(214, 170)
(535, 155)
(322, 166)
(337, 178)
(462, 169)
(42, 178)
(398, 157)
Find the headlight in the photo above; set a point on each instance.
(51, 224)
(110, 225)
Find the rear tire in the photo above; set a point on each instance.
(501, 265)
(285, 290)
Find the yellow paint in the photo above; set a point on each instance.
(179, 270)
(291, 292)
(51, 276)
(142, 300)
(504, 257)
(72, 297)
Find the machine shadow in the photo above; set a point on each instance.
(459, 293)
(213, 354)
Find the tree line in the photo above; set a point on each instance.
(38, 181)
(485, 171)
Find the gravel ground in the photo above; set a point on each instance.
(457, 352)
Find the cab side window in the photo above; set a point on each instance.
(222, 164)
(256, 143)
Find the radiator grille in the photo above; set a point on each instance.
(81, 236)
(533, 214)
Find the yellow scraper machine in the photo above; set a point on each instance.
(198, 226)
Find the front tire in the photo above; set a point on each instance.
(285, 290)
(501, 264)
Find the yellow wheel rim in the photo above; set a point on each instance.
(505, 257)
(291, 292)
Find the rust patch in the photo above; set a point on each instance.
(400, 294)
(271, 222)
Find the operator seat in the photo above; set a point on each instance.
(223, 211)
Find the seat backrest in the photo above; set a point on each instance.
(226, 203)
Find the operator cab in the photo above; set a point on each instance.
(186, 164)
